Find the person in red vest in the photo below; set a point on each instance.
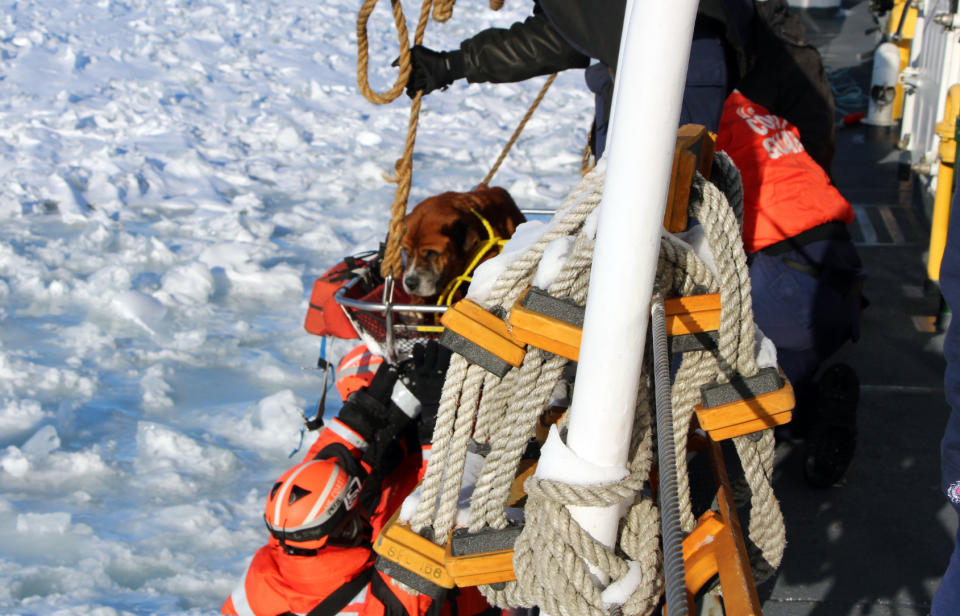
(806, 277)
(323, 513)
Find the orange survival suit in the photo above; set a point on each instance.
(297, 573)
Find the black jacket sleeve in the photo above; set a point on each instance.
(524, 50)
(595, 27)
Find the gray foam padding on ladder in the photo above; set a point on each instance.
(702, 341)
(741, 388)
(474, 353)
(463, 542)
(405, 576)
(538, 300)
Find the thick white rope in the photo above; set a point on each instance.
(550, 556)
(460, 400)
(726, 177)
(530, 395)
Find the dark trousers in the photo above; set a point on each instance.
(807, 301)
(946, 602)
(705, 91)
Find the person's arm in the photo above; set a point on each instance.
(373, 417)
(524, 50)
(496, 55)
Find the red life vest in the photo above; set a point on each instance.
(785, 192)
(325, 317)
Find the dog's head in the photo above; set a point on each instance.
(443, 231)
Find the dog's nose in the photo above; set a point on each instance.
(411, 282)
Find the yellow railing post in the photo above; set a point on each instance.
(940, 220)
(900, 31)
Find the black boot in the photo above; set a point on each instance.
(829, 446)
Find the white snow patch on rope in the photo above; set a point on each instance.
(487, 273)
(559, 463)
(619, 591)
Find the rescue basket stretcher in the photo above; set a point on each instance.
(351, 301)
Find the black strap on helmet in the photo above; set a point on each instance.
(347, 462)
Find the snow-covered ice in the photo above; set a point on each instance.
(175, 175)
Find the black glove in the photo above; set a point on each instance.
(424, 374)
(370, 413)
(430, 70)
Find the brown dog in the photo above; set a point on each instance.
(443, 232)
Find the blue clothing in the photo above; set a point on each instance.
(704, 93)
(807, 317)
(947, 598)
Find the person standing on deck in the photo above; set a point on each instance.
(946, 601)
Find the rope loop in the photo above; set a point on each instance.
(363, 52)
(443, 10)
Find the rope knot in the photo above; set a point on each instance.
(443, 11)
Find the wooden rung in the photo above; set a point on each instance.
(716, 548)
(487, 331)
(525, 470)
(485, 557)
(423, 558)
(693, 152)
(463, 560)
(691, 303)
(699, 558)
(749, 427)
(747, 416)
(484, 568)
(545, 332)
(437, 564)
(693, 314)
(549, 417)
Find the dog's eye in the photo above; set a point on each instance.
(430, 255)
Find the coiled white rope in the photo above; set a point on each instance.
(551, 554)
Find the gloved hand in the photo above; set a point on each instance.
(430, 70)
(425, 373)
(368, 411)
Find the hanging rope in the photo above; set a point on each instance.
(392, 255)
(392, 259)
(586, 164)
(363, 49)
(519, 129)
(725, 176)
(403, 168)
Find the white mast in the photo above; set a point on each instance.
(651, 72)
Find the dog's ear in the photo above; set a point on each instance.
(464, 235)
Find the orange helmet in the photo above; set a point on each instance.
(313, 504)
(356, 370)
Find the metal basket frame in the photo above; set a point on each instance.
(387, 345)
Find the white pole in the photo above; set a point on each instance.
(650, 80)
